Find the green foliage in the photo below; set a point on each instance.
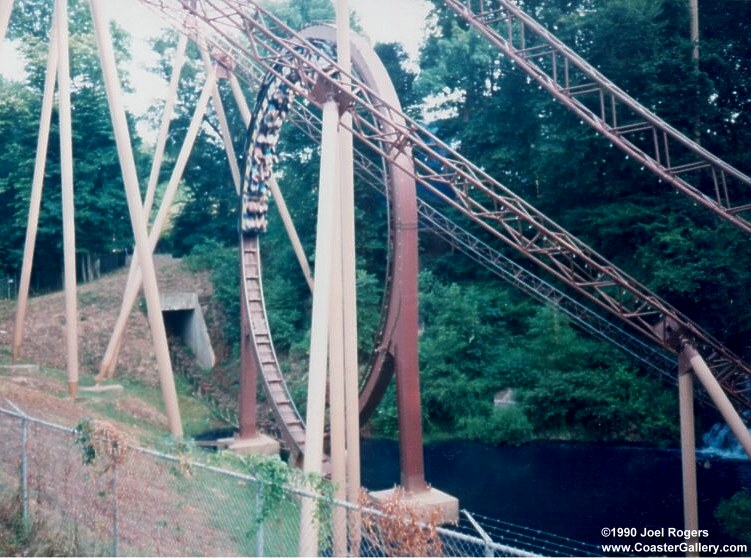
(299, 13)
(277, 478)
(734, 516)
(83, 432)
(478, 340)
(500, 425)
(224, 265)
(577, 384)
(459, 351)
(102, 223)
(385, 422)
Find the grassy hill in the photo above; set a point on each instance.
(137, 408)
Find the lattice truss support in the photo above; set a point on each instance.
(673, 157)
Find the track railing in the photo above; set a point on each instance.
(644, 136)
(293, 427)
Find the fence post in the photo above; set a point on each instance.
(116, 518)
(24, 463)
(259, 508)
(485, 537)
(24, 471)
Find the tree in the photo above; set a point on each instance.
(102, 223)
(539, 149)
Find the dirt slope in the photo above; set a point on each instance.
(44, 394)
(98, 306)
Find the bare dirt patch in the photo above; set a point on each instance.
(98, 306)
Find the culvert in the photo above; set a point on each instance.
(183, 318)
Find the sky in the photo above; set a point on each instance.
(400, 21)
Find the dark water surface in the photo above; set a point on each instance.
(570, 489)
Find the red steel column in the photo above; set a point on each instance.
(405, 340)
(248, 375)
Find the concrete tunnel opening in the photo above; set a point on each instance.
(183, 318)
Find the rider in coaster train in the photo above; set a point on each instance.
(261, 156)
(272, 105)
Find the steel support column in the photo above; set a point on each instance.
(66, 174)
(37, 186)
(318, 357)
(688, 447)
(713, 387)
(249, 367)
(135, 275)
(406, 362)
(138, 219)
(350, 370)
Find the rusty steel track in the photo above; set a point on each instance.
(644, 136)
(257, 43)
(399, 188)
(293, 427)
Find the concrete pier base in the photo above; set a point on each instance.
(259, 444)
(425, 503)
(20, 368)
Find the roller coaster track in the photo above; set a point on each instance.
(286, 412)
(256, 43)
(582, 316)
(651, 358)
(644, 136)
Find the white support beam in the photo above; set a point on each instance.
(66, 174)
(237, 93)
(135, 276)
(720, 399)
(318, 357)
(109, 361)
(349, 282)
(337, 414)
(289, 226)
(688, 453)
(37, 185)
(161, 139)
(138, 219)
(6, 8)
(223, 124)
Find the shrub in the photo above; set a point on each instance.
(503, 425)
(734, 516)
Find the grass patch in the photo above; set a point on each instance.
(138, 405)
(18, 538)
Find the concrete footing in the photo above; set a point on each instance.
(259, 444)
(426, 503)
(101, 388)
(20, 368)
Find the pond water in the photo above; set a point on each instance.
(570, 489)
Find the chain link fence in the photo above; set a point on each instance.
(91, 492)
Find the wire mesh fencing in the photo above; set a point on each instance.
(93, 492)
